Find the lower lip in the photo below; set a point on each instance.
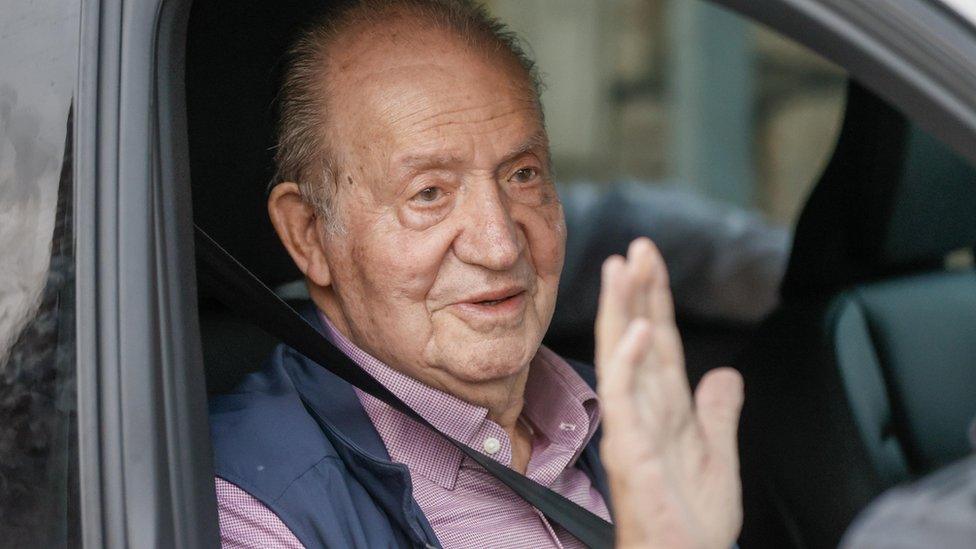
(500, 309)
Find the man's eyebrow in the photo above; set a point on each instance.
(421, 160)
(418, 161)
(537, 141)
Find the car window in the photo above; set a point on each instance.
(689, 124)
(681, 93)
(38, 434)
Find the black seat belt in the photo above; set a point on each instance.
(237, 288)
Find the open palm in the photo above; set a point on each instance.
(672, 460)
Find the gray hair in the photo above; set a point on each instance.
(303, 154)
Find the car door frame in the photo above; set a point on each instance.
(144, 451)
(919, 55)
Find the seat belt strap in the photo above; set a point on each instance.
(238, 289)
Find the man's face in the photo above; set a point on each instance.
(452, 235)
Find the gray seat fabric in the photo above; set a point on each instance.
(865, 376)
(232, 347)
(921, 334)
(235, 53)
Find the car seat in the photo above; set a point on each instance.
(865, 375)
(234, 53)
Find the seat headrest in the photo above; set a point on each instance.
(891, 199)
(234, 61)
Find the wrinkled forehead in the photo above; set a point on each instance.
(404, 40)
(389, 90)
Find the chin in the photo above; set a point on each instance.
(482, 361)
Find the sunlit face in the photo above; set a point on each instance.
(452, 239)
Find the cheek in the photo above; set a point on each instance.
(407, 262)
(385, 287)
(545, 231)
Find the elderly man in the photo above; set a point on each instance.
(414, 192)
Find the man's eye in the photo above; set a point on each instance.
(525, 175)
(430, 194)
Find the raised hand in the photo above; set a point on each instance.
(672, 460)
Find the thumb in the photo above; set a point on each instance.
(718, 400)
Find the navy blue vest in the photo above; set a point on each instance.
(333, 485)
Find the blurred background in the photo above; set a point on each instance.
(681, 92)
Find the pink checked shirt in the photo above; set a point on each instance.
(466, 506)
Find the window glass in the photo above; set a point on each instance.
(681, 92)
(38, 441)
(681, 121)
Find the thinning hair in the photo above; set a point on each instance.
(303, 153)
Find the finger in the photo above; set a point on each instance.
(718, 401)
(666, 376)
(616, 387)
(612, 313)
(640, 265)
(667, 340)
(661, 304)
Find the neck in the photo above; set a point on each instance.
(503, 397)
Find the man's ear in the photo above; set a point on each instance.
(297, 226)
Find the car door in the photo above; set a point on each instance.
(104, 440)
(145, 456)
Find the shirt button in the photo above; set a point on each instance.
(492, 445)
(567, 426)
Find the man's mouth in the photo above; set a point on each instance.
(495, 297)
(493, 305)
(490, 302)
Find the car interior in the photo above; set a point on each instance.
(861, 379)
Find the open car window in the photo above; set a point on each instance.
(682, 93)
(690, 124)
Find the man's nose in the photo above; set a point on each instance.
(489, 237)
